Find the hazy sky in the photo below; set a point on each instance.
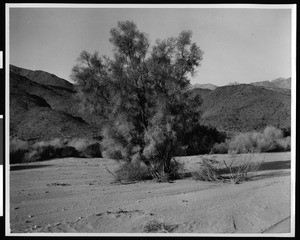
(242, 45)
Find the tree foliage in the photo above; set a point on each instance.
(143, 91)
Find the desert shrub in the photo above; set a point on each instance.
(271, 140)
(208, 171)
(240, 170)
(156, 171)
(284, 144)
(80, 144)
(129, 172)
(177, 170)
(17, 144)
(220, 148)
(243, 143)
(237, 170)
(272, 133)
(55, 143)
(23, 151)
(112, 144)
(138, 171)
(154, 226)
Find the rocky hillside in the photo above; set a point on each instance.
(39, 111)
(245, 107)
(42, 77)
(42, 109)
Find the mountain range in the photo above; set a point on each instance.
(279, 83)
(44, 106)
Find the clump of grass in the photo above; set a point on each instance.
(235, 170)
(154, 226)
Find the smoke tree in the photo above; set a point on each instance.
(143, 91)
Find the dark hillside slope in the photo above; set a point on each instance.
(42, 77)
(36, 112)
(244, 107)
(200, 92)
(59, 99)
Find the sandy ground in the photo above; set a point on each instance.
(77, 195)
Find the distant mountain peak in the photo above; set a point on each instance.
(276, 83)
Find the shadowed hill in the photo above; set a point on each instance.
(42, 77)
(43, 112)
(39, 111)
(244, 107)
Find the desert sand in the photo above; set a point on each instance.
(80, 195)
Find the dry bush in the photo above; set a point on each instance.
(177, 171)
(208, 171)
(18, 150)
(271, 140)
(272, 133)
(17, 144)
(154, 226)
(239, 170)
(55, 143)
(220, 148)
(284, 143)
(236, 170)
(80, 144)
(22, 151)
(138, 171)
(131, 172)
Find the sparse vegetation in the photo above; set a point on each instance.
(23, 151)
(236, 170)
(270, 140)
(138, 171)
(154, 226)
(131, 172)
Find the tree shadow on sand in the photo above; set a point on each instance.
(276, 165)
(25, 167)
(271, 174)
